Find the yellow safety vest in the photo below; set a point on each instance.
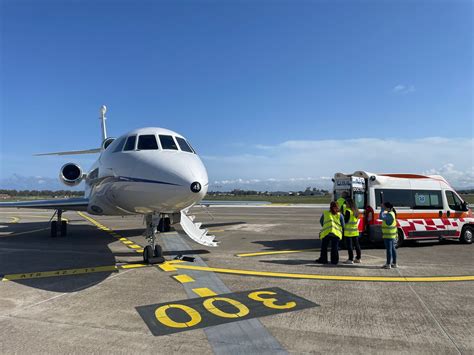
(390, 231)
(331, 224)
(341, 202)
(350, 228)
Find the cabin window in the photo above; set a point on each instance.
(147, 142)
(454, 202)
(130, 145)
(167, 142)
(185, 147)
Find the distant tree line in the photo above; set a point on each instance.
(238, 192)
(41, 193)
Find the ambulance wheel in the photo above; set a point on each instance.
(54, 229)
(147, 254)
(466, 235)
(400, 239)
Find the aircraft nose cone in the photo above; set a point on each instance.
(196, 187)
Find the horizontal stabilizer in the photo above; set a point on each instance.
(73, 152)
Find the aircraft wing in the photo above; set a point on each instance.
(69, 204)
(72, 152)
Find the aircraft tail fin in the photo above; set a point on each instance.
(105, 141)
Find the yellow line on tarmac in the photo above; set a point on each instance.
(204, 292)
(183, 278)
(128, 243)
(70, 272)
(325, 277)
(275, 252)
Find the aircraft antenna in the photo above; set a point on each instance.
(103, 110)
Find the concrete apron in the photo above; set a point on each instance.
(243, 337)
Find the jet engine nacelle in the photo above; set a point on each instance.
(71, 174)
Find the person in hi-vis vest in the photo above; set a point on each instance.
(351, 231)
(332, 223)
(341, 201)
(388, 215)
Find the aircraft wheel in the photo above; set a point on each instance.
(54, 229)
(63, 228)
(147, 254)
(467, 234)
(164, 225)
(158, 251)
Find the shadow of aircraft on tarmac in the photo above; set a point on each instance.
(289, 244)
(27, 247)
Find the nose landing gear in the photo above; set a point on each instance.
(153, 253)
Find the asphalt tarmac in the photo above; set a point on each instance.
(258, 292)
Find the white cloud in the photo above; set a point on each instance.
(403, 89)
(305, 163)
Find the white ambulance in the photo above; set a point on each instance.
(427, 206)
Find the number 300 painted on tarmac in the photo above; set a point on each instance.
(195, 317)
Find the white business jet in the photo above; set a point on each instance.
(149, 171)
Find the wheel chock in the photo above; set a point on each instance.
(156, 260)
(185, 258)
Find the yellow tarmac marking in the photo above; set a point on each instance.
(70, 272)
(14, 220)
(128, 243)
(204, 292)
(169, 265)
(216, 230)
(325, 277)
(183, 278)
(275, 252)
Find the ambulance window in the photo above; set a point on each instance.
(398, 198)
(453, 201)
(427, 199)
(184, 145)
(359, 199)
(147, 142)
(167, 142)
(130, 145)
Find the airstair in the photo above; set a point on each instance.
(194, 230)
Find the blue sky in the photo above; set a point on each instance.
(242, 80)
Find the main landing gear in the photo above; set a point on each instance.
(155, 223)
(58, 226)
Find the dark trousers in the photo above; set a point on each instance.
(353, 242)
(334, 249)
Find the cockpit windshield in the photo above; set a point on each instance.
(167, 142)
(147, 142)
(185, 147)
